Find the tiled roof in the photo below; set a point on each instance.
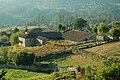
(41, 32)
(77, 35)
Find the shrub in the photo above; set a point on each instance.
(3, 54)
(24, 58)
(105, 73)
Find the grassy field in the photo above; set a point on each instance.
(16, 74)
(110, 49)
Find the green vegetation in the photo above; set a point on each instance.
(2, 75)
(80, 23)
(115, 33)
(14, 38)
(92, 64)
(24, 58)
(61, 28)
(17, 74)
(102, 29)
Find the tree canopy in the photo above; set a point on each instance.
(80, 23)
(102, 29)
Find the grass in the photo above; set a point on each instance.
(16, 74)
(75, 60)
(110, 49)
(50, 47)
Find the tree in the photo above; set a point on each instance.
(24, 58)
(14, 37)
(3, 33)
(80, 23)
(115, 24)
(15, 30)
(115, 33)
(102, 29)
(61, 28)
(94, 29)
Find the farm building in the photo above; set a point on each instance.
(38, 36)
(102, 38)
(78, 36)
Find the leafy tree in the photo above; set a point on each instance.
(3, 33)
(102, 29)
(115, 33)
(15, 30)
(94, 29)
(61, 28)
(115, 24)
(80, 23)
(14, 38)
(24, 58)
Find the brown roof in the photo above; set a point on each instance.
(77, 35)
(41, 32)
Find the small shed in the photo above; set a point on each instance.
(102, 38)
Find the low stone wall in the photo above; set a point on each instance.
(36, 67)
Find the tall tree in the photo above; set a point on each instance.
(14, 37)
(15, 30)
(115, 33)
(80, 23)
(102, 29)
(61, 28)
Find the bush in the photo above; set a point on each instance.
(3, 54)
(24, 58)
(106, 73)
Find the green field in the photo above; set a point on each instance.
(17, 74)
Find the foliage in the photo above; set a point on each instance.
(14, 38)
(102, 29)
(61, 28)
(3, 33)
(15, 30)
(80, 23)
(70, 75)
(94, 29)
(115, 24)
(17, 74)
(115, 33)
(105, 73)
(3, 74)
(3, 54)
(24, 58)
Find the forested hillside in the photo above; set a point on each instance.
(17, 11)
